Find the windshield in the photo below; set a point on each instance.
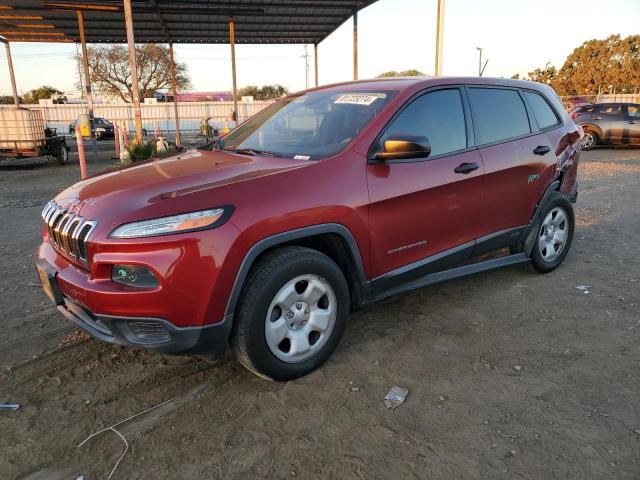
(309, 126)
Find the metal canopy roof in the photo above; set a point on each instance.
(179, 21)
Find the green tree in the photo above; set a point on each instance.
(44, 92)
(110, 73)
(405, 73)
(543, 75)
(8, 99)
(601, 65)
(266, 92)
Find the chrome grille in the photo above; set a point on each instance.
(67, 231)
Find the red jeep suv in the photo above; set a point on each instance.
(321, 204)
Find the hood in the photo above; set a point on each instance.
(189, 181)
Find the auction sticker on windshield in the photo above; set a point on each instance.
(357, 99)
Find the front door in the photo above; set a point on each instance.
(420, 208)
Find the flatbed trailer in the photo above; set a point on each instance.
(24, 135)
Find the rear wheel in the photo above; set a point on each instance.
(554, 236)
(589, 140)
(60, 153)
(291, 314)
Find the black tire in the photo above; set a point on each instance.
(265, 280)
(590, 140)
(60, 153)
(538, 262)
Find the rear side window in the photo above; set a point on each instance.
(545, 116)
(438, 116)
(498, 114)
(634, 110)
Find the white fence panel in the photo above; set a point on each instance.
(154, 116)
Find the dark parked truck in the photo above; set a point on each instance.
(321, 204)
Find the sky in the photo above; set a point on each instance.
(517, 36)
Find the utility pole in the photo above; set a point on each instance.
(439, 38)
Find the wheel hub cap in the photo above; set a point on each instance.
(553, 234)
(300, 318)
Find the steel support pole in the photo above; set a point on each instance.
(232, 42)
(315, 62)
(128, 19)
(87, 85)
(12, 75)
(355, 45)
(439, 38)
(175, 93)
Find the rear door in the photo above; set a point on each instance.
(633, 122)
(422, 207)
(518, 158)
(610, 118)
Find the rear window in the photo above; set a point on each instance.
(498, 114)
(545, 116)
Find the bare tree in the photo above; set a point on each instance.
(110, 73)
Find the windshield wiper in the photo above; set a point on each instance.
(251, 151)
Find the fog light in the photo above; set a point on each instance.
(134, 276)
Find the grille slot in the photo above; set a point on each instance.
(67, 231)
(149, 330)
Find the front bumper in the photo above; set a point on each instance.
(208, 341)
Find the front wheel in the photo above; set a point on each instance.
(291, 314)
(554, 235)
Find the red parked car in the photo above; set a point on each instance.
(321, 204)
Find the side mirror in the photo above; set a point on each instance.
(399, 146)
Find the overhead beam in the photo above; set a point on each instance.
(154, 4)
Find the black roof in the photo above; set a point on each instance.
(179, 21)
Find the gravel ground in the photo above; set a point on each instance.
(510, 374)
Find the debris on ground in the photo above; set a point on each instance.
(10, 406)
(124, 440)
(583, 288)
(396, 397)
(517, 367)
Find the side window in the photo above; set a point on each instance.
(634, 111)
(498, 114)
(437, 115)
(609, 109)
(545, 116)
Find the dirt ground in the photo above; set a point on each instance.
(510, 374)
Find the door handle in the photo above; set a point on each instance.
(541, 150)
(466, 167)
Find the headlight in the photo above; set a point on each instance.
(185, 222)
(100, 129)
